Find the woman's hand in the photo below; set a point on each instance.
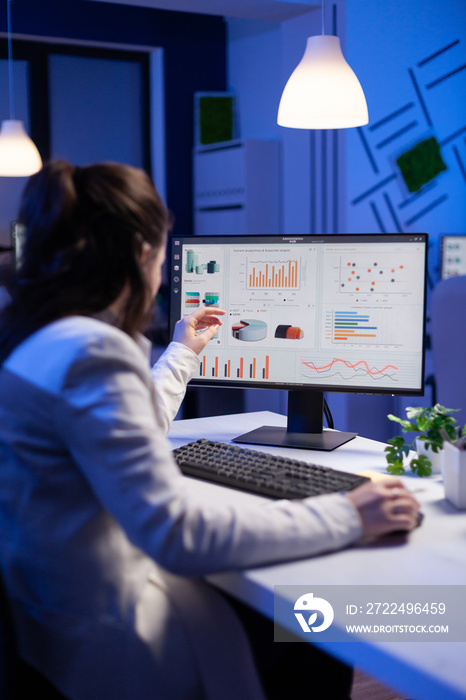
(204, 319)
(384, 506)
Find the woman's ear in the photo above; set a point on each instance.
(145, 252)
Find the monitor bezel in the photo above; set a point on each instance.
(17, 236)
(175, 301)
(444, 236)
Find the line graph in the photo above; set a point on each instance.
(347, 371)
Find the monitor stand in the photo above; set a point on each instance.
(304, 426)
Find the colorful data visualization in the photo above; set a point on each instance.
(330, 311)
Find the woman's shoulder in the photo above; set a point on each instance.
(47, 356)
(82, 332)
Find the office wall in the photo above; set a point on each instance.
(194, 59)
(411, 60)
(73, 112)
(412, 94)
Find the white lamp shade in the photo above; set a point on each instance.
(19, 156)
(323, 92)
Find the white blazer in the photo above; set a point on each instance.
(101, 543)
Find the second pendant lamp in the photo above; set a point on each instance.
(19, 156)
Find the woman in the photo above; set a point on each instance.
(98, 529)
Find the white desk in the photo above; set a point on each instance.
(433, 554)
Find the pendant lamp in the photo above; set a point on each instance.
(323, 92)
(19, 156)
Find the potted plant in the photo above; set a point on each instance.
(433, 425)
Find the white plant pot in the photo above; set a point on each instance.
(454, 475)
(436, 458)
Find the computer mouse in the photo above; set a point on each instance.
(419, 519)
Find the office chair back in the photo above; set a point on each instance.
(448, 336)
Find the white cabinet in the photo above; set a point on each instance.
(236, 188)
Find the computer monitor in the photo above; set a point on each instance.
(452, 255)
(309, 314)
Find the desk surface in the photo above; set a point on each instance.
(433, 554)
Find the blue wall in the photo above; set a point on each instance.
(411, 60)
(195, 59)
(393, 47)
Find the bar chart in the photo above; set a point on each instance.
(272, 274)
(238, 368)
(353, 326)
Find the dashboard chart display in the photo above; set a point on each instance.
(338, 312)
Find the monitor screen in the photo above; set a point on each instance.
(308, 314)
(452, 255)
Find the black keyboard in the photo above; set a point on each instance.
(260, 472)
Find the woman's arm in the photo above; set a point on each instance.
(107, 419)
(178, 363)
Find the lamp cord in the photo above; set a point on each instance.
(323, 19)
(10, 64)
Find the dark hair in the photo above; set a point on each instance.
(85, 228)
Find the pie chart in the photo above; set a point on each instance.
(249, 329)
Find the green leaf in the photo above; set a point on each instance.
(435, 443)
(397, 441)
(415, 412)
(407, 426)
(423, 423)
(395, 451)
(452, 431)
(396, 468)
(394, 418)
(438, 409)
(421, 466)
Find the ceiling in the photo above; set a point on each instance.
(275, 10)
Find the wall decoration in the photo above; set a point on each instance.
(405, 151)
(214, 118)
(421, 164)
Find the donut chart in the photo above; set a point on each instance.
(289, 332)
(249, 330)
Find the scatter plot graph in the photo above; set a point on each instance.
(373, 276)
